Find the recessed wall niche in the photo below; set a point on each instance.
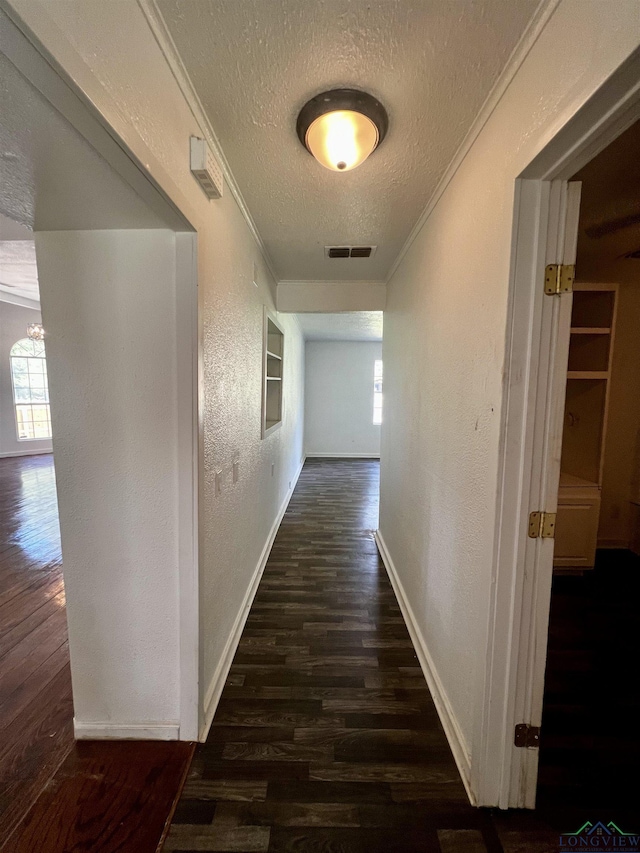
(273, 374)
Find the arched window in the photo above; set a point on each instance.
(30, 390)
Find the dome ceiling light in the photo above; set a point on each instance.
(341, 128)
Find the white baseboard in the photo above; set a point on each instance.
(38, 452)
(343, 456)
(447, 716)
(113, 731)
(216, 685)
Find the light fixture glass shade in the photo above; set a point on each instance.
(342, 139)
(35, 332)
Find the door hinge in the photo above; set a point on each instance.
(542, 525)
(558, 278)
(527, 735)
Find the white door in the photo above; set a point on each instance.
(548, 417)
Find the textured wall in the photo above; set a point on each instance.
(444, 349)
(13, 327)
(338, 411)
(112, 54)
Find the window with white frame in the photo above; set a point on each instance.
(30, 390)
(377, 391)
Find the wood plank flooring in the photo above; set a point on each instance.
(57, 796)
(36, 710)
(106, 798)
(326, 737)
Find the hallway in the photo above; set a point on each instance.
(326, 736)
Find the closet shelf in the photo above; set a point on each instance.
(274, 355)
(587, 374)
(590, 330)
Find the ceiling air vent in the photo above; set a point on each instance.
(349, 251)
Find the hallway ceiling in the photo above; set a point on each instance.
(347, 326)
(254, 64)
(50, 177)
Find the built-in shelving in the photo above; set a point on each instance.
(273, 361)
(589, 370)
(587, 374)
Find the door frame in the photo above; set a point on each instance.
(530, 440)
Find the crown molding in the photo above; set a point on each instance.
(520, 52)
(170, 52)
(16, 299)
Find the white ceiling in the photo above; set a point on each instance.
(50, 177)
(254, 64)
(18, 270)
(347, 326)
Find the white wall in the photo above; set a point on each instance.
(331, 296)
(338, 411)
(113, 381)
(103, 50)
(13, 327)
(444, 351)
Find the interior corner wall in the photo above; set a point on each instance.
(444, 354)
(13, 327)
(113, 384)
(155, 121)
(339, 398)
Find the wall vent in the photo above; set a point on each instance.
(350, 251)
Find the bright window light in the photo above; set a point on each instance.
(377, 392)
(30, 390)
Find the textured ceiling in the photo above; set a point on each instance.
(18, 270)
(50, 178)
(348, 326)
(610, 204)
(255, 63)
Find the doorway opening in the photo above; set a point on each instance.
(546, 211)
(589, 741)
(343, 384)
(114, 264)
(36, 709)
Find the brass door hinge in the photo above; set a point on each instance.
(527, 735)
(558, 278)
(542, 525)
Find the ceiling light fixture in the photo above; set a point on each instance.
(35, 332)
(342, 128)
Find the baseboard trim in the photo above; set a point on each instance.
(136, 731)
(448, 719)
(38, 452)
(343, 456)
(216, 685)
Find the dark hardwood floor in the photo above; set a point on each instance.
(36, 710)
(326, 737)
(57, 796)
(590, 745)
